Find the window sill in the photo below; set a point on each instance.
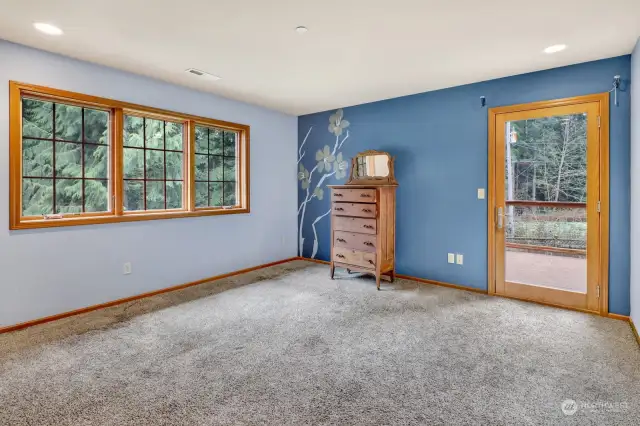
(127, 217)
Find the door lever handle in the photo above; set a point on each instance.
(499, 218)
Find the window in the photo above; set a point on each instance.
(216, 167)
(78, 159)
(65, 158)
(153, 164)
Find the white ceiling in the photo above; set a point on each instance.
(356, 51)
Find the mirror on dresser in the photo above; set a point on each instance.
(363, 220)
(372, 167)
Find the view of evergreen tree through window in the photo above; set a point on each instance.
(216, 167)
(65, 158)
(80, 159)
(153, 164)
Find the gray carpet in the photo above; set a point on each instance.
(286, 345)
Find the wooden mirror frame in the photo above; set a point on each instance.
(387, 180)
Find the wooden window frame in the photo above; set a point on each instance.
(116, 149)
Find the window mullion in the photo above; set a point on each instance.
(117, 162)
(189, 175)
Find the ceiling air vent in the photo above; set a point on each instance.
(201, 73)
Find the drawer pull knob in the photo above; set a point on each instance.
(337, 194)
(364, 195)
(368, 226)
(366, 210)
(341, 256)
(368, 243)
(341, 240)
(371, 261)
(339, 209)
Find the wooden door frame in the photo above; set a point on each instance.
(603, 100)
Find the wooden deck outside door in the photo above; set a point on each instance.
(548, 219)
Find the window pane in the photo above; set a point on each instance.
(546, 159)
(202, 167)
(96, 126)
(68, 159)
(215, 168)
(154, 132)
(155, 195)
(201, 140)
(96, 161)
(230, 194)
(68, 122)
(133, 163)
(37, 197)
(174, 165)
(230, 169)
(215, 194)
(155, 165)
(133, 195)
(37, 118)
(133, 131)
(215, 141)
(96, 195)
(230, 144)
(174, 136)
(174, 195)
(202, 194)
(37, 158)
(69, 196)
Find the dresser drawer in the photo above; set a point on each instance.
(354, 195)
(354, 224)
(354, 257)
(354, 209)
(364, 242)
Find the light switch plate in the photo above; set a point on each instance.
(451, 258)
(480, 193)
(459, 259)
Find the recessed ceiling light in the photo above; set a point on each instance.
(47, 28)
(201, 73)
(301, 30)
(555, 48)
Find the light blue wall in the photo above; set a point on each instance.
(51, 271)
(439, 140)
(635, 185)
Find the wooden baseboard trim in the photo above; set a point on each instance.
(461, 287)
(409, 277)
(617, 316)
(441, 284)
(23, 325)
(634, 330)
(323, 262)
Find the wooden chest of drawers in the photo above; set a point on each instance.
(363, 221)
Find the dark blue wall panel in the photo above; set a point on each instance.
(439, 140)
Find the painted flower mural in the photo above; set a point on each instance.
(303, 176)
(337, 124)
(340, 167)
(324, 159)
(327, 159)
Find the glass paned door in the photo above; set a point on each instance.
(547, 197)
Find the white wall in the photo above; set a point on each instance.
(635, 185)
(45, 272)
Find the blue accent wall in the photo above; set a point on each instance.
(439, 140)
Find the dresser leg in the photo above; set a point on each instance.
(333, 269)
(393, 275)
(378, 281)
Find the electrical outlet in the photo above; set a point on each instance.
(459, 259)
(126, 270)
(451, 258)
